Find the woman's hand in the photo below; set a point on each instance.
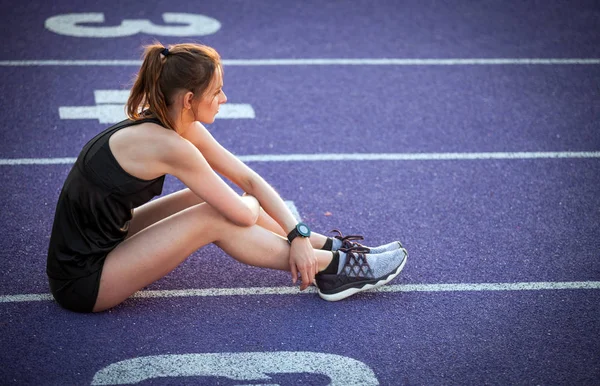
(303, 260)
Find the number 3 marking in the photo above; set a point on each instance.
(193, 25)
(244, 366)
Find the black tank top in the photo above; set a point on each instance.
(94, 208)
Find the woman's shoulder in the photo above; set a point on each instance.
(145, 148)
(146, 133)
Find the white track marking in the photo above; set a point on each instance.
(415, 156)
(404, 62)
(355, 157)
(111, 96)
(113, 113)
(292, 207)
(239, 366)
(325, 62)
(87, 25)
(37, 161)
(25, 298)
(524, 286)
(458, 287)
(28, 63)
(110, 108)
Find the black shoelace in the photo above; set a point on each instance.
(348, 242)
(356, 262)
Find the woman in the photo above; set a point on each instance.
(109, 241)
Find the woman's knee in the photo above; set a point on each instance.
(213, 223)
(254, 206)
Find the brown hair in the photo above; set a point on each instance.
(164, 73)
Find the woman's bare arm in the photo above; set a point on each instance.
(302, 258)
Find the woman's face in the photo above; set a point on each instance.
(208, 106)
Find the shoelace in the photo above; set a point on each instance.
(348, 241)
(356, 262)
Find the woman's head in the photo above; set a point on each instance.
(183, 75)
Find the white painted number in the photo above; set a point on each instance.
(110, 108)
(249, 366)
(182, 24)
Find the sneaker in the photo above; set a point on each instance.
(362, 271)
(349, 242)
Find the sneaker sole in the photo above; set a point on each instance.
(365, 287)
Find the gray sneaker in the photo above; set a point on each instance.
(362, 271)
(349, 242)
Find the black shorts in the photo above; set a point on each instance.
(77, 295)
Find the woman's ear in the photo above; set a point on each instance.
(187, 100)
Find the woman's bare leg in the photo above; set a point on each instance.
(163, 207)
(156, 250)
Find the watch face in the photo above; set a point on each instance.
(303, 229)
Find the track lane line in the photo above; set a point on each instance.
(353, 157)
(327, 62)
(448, 287)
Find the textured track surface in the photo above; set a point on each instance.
(463, 221)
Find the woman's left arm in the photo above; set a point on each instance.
(229, 166)
(302, 257)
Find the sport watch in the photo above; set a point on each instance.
(301, 229)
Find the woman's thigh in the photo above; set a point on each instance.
(161, 208)
(166, 206)
(154, 252)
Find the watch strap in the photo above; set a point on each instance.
(292, 235)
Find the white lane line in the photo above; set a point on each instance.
(458, 287)
(524, 286)
(415, 156)
(29, 63)
(407, 62)
(326, 62)
(37, 161)
(24, 298)
(354, 157)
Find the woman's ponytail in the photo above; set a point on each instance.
(146, 94)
